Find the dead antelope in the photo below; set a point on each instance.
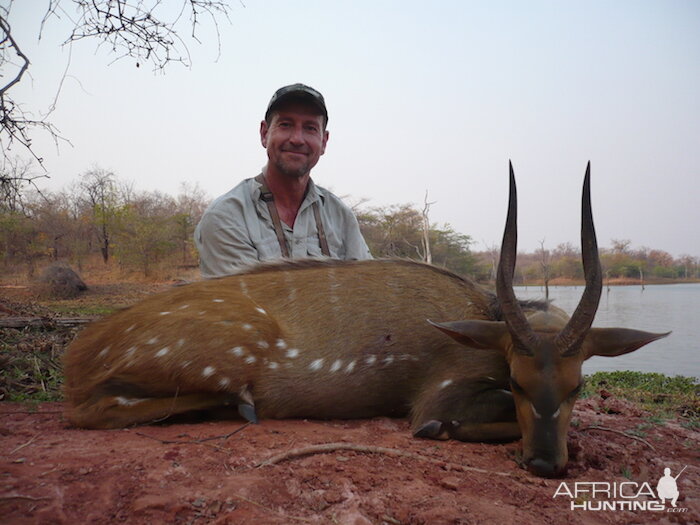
(329, 339)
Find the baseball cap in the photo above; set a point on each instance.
(300, 91)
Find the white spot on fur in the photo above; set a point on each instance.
(180, 343)
(127, 402)
(162, 352)
(261, 310)
(247, 326)
(165, 313)
(217, 301)
(263, 344)
(152, 341)
(130, 351)
(556, 414)
(184, 306)
(201, 312)
(273, 365)
(535, 412)
(370, 359)
(237, 351)
(446, 383)
(244, 287)
(208, 371)
(224, 382)
(104, 351)
(250, 359)
(506, 392)
(337, 365)
(130, 328)
(280, 344)
(292, 353)
(350, 367)
(317, 364)
(388, 359)
(185, 364)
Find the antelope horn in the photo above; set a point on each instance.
(524, 338)
(571, 337)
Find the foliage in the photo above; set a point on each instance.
(660, 394)
(30, 364)
(397, 231)
(619, 262)
(102, 216)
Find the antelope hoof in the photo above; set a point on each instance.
(432, 429)
(247, 412)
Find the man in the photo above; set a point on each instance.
(281, 213)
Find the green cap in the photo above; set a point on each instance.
(299, 91)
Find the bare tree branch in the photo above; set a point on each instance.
(16, 123)
(15, 174)
(136, 30)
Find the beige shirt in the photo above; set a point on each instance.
(237, 231)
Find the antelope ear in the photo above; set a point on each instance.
(611, 342)
(477, 334)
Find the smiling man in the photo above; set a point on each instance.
(281, 213)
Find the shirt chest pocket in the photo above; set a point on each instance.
(268, 247)
(313, 245)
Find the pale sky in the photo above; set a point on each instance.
(434, 96)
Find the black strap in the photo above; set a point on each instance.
(266, 195)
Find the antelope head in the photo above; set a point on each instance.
(545, 351)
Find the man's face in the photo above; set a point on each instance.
(295, 138)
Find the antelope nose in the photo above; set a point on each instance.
(544, 469)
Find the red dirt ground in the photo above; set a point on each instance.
(196, 473)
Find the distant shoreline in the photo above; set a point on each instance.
(610, 282)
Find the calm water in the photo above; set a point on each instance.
(658, 308)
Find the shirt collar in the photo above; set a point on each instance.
(312, 193)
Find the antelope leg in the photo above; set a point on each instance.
(117, 411)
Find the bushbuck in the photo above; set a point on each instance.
(332, 339)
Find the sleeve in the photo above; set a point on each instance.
(224, 244)
(355, 245)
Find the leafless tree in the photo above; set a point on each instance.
(136, 30)
(546, 263)
(493, 252)
(99, 189)
(426, 229)
(15, 176)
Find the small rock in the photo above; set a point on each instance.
(450, 482)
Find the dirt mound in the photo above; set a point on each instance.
(347, 472)
(59, 281)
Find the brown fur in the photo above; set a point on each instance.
(366, 321)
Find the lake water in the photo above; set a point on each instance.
(657, 308)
